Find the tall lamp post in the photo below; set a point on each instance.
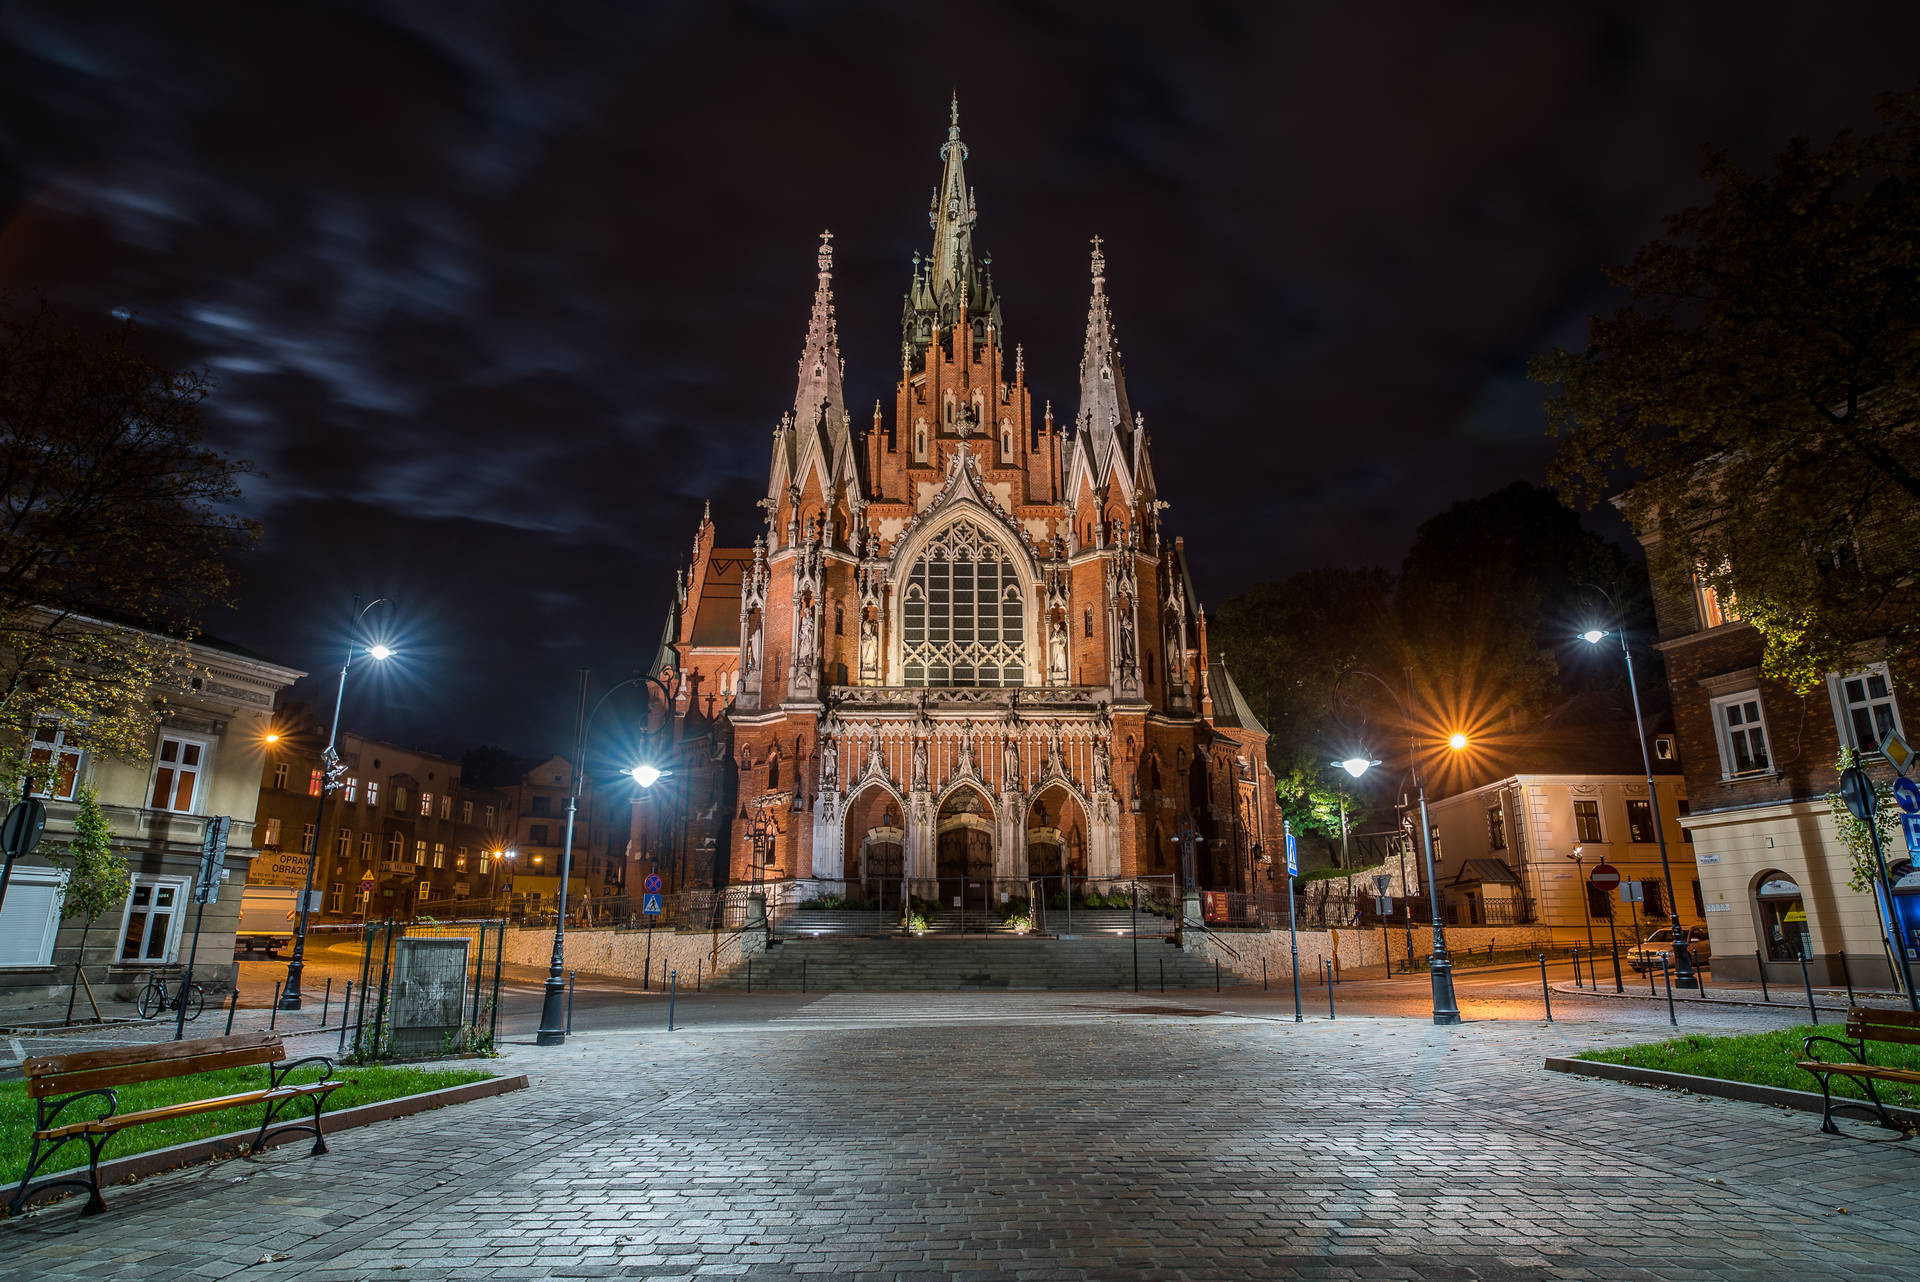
(1446, 1009)
(1683, 974)
(329, 780)
(553, 1005)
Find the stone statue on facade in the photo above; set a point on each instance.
(919, 763)
(1057, 651)
(869, 643)
(1010, 762)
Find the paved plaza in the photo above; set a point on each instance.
(1044, 1135)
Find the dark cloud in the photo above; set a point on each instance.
(497, 299)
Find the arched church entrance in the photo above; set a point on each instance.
(1056, 840)
(963, 861)
(875, 853)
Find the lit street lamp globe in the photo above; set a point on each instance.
(645, 776)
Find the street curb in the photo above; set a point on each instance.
(1569, 989)
(1748, 1092)
(137, 1166)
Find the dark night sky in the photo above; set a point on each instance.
(495, 303)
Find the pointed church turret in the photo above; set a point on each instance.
(819, 424)
(1105, 423)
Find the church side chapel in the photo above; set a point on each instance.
(963, 653)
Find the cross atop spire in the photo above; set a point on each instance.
(1099, 264)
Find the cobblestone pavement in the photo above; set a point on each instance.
(1038, 1135)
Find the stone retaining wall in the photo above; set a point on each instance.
(624, 954)
(1355, 947)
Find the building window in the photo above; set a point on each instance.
(963, 616)
(270, 834)
(352, 789)
(1653, 899)
(839, 621)
(1743, 734)
(420, 854)
(366, 848)
(1087, 621)
(466, 812)
(488, 811)
(1599, 903)
(1496, 827)
(1586, 821)
(1868, 711)
(396, 847)
(537, 835)
(1715, 610)
(343, 844)
(30, 917)
(459, 858)
(426, 805)
(1663, 747)
(337, 897)
(176, 777)
(152, 914)
(400, 798)
(1640, 822)
(373, 792)
(306, 839)
(439, 854)
(541, 806)
(773, 771)
(280, 775)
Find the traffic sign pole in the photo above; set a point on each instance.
(1293, 937)
(1857, 790)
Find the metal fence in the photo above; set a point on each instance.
(427, 989)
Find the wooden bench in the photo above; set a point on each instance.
(56, 1081)
(1895, 1027)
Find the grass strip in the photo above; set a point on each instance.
(367, 1085)
(1766, 1059)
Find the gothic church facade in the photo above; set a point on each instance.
(962, 648)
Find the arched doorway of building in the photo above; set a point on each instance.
(1206, 857)
(963, 861)
(875, 858)
(1783, 918)
(1056, 839)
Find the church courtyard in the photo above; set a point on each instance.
(1043, 1135)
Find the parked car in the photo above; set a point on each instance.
(1660, 944)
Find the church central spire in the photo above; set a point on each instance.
(1105, 419)
(933, 299)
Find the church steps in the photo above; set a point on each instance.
(836, 964)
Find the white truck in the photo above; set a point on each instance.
(266, 918)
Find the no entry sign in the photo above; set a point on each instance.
(1605, 876)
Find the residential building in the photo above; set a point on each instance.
(1542, 808)
(1759, 762)
(402, 836)
(537, 832)
(204, 761)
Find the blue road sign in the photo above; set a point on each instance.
(1911, 823)
(651, 885)
(1293, 856)
(650, 905)
(1906, 795)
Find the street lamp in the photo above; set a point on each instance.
(553, 1006)
(1683, 974)
(1446, 1009)
(329, 780)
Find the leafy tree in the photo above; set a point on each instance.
(1761, 380)
(1490, 595)
(114, 535)
(97, 880)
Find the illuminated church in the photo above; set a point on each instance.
(962, 647)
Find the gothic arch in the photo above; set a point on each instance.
(965, 529)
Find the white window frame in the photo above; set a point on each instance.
(439, 854)
(316, 780)
(396, 847)
(336, 896)
(200, 771)
(373, 792)
(446, 806)
(1723, 736)
(466, 812)
(352, 789)
(1843, 708)
(343, 844)
(280, 775)
(179, 916)
(309, 839)
(19, 925)
(426, 805)
(366, 848)
(270, 834)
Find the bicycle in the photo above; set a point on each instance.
(156, 997)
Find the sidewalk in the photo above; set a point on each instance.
(1826, 1000)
